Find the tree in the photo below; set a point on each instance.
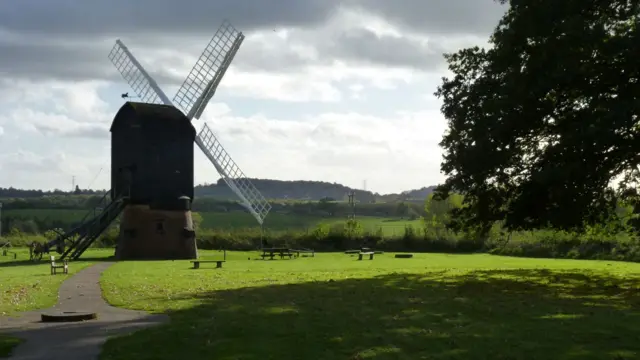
(541, 123)
(402, 209)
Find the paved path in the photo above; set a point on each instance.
(71, 341)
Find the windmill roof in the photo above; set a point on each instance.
(148, 112)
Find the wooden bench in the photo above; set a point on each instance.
(55, 267)
(271, 253)
(196, 263)
(370, 253)
(304, 251)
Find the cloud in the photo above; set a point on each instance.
(69, 41)
(345, 147)
(120, 17)
(449, 17)
(328, 90)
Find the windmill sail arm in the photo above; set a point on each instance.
(202, 102)
(201, 80)
(249, 195)
(136, 76)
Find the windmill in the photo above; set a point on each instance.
(192, 98)
(152, 161)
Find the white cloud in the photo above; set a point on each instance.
(392, 153)
(343, 94)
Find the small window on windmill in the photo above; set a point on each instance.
(160, 226)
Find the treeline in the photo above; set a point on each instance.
(13, 193)
(271, 189)
(600, 242)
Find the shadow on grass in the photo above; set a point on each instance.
(7, 344)
(511, 314)
(45, 260)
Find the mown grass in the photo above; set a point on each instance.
(335, 307)
(27, 285)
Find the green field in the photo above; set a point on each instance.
(332, 306)
(335, 307)
(241, 220)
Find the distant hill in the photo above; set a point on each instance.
(271, 189)
(309, 190)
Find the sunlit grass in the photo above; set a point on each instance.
(27, 285)
(335, 307)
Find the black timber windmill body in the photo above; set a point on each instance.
(151, 163)
(151, 167)
(151, 155)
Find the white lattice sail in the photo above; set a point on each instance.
(203, 79)
(250, 197)
(135, 75)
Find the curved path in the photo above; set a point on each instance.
(70, 341)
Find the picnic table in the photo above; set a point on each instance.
(297, 252)
(272, 252)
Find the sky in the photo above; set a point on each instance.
(326, 90)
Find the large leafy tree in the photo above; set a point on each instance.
(543, 125)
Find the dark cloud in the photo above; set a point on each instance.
(359, 46)
(362, 44)
(470, 17)
(49, 61)
(70, 40)
(119, 17)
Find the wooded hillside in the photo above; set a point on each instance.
(271, 189)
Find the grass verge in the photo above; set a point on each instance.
(7, 344)
(335, 307)
(27, 285)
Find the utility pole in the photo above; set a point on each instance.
(73, 183)
(352, 202)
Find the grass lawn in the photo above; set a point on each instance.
(26, 285)
(334, 307)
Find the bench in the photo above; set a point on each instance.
(304, 251)
(196, 263)
(270, 253)
(267, 255)
(370, 253)
(55, 267)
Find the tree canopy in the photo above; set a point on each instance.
(543, 124)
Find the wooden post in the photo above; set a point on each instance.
(225, 254)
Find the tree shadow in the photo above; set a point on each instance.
(493, 314)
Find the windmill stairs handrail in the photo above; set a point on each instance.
(92, 225)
